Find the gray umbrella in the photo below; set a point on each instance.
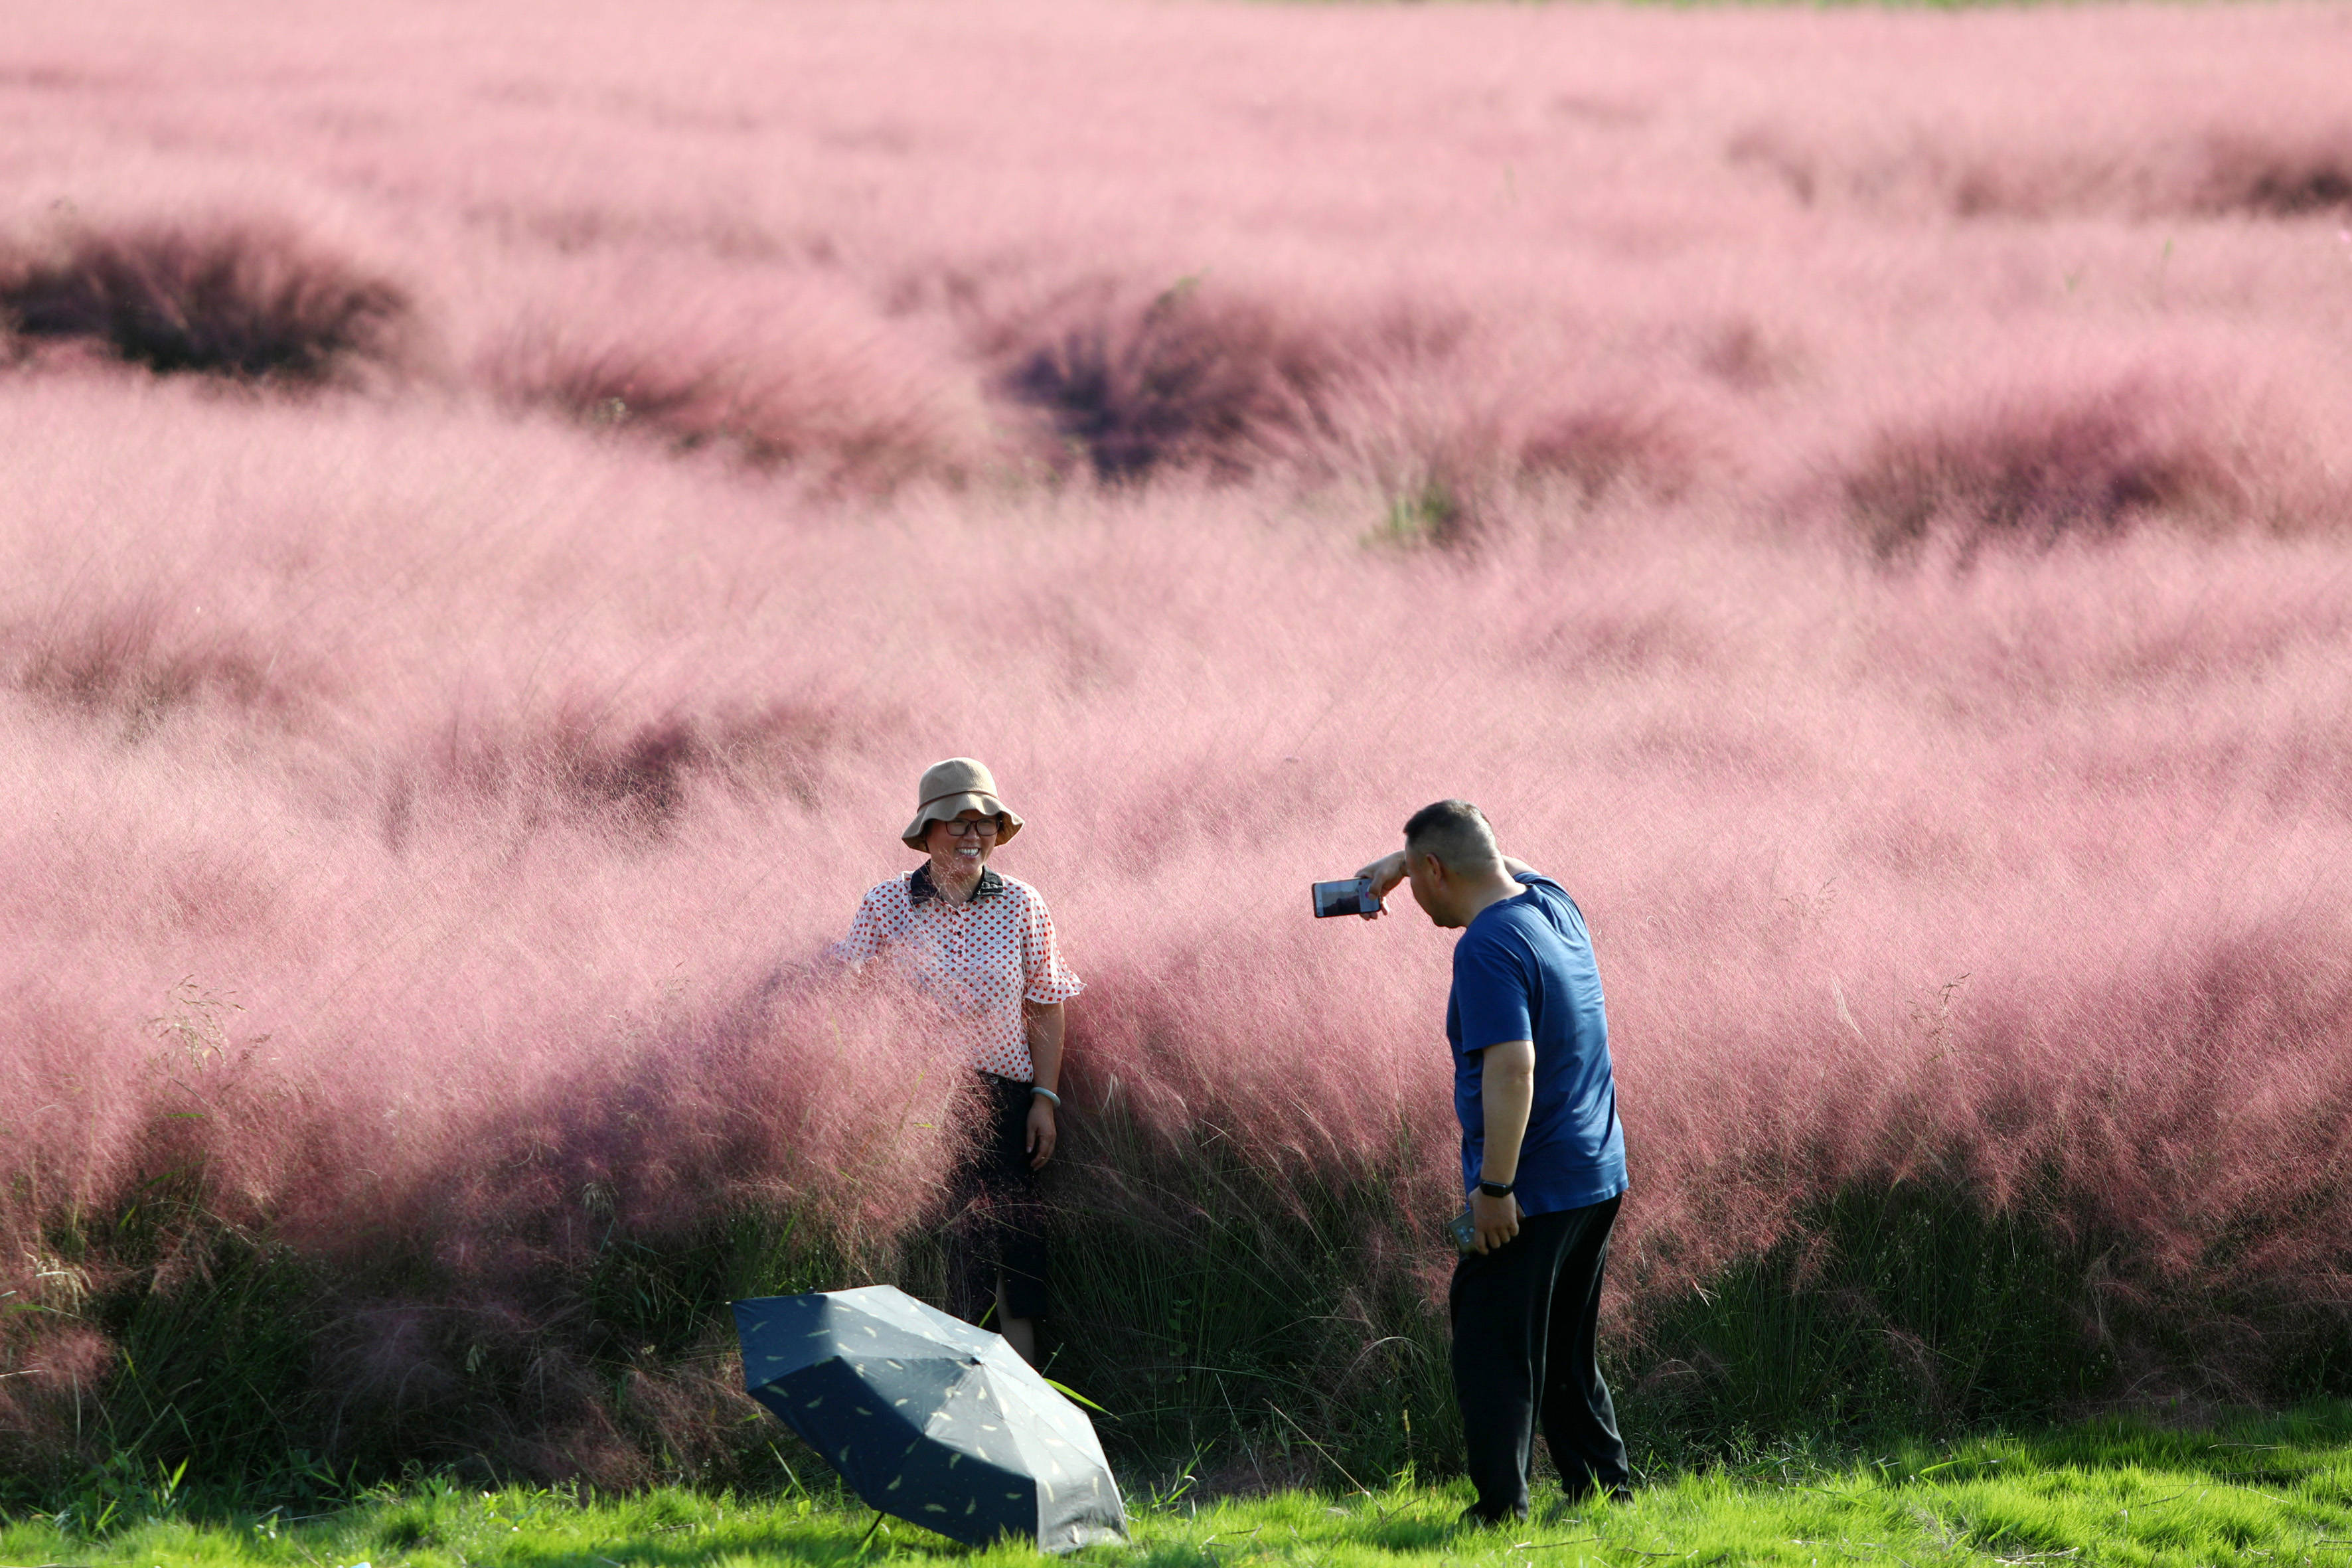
(929, 1418)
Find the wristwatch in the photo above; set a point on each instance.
(1496, 1189)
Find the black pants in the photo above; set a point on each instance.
(1525, 1319)
(998, 1222)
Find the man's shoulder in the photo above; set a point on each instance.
(1500, 928)
(1538, 901)
(1544, 887)
(1546, 918)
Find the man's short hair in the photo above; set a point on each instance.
(1455, 831)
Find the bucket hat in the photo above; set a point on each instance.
(949, 788)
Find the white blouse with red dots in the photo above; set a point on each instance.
(979, 959)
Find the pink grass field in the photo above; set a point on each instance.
(1862, 497)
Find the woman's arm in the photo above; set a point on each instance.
(1049, 984)
(869, 930)
(1045, 1023)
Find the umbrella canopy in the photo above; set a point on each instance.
(929, 1418)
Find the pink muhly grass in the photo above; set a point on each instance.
(2033, 471)
(428, 816)
(806, 377)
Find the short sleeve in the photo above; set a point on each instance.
(1490, 988)
(1047, 978)
(868, 930)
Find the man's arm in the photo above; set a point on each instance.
(1383, 874)
(1506, 1092)
(1387, 871)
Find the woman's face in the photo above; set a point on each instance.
(964, 844)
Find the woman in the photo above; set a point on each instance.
(982, 946)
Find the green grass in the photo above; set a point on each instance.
(2256, 1490)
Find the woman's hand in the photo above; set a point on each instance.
(1383, 874)
(1042, 1131)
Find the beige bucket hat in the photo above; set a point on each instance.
(950, 788)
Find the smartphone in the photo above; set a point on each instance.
(1464, 1234)
(1352, 896)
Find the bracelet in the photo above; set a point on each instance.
(1051, 1097)
(1498, 1189)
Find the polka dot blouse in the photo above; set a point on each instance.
(979, 959)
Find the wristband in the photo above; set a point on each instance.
(1498, 1189)
(1051, 1097)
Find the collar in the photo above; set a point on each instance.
(919, 888)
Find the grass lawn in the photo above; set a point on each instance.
(2268, 1491)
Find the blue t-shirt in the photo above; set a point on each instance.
(1523, 971)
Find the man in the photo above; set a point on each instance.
(1543, 1159)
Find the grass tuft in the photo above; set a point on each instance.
(2030, 473)
(1193, 378)
(248, 301)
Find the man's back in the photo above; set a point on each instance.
(1524, 970)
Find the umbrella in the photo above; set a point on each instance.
(930, 1418)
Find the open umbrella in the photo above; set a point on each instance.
(929, 1418)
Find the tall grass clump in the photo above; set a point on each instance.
(2031, 473)
(248, 301)
(1191, 378)
(1879, 538)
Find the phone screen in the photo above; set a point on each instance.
(1351, 897)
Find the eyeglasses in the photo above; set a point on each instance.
(986, 826)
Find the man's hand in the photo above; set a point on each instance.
(1042, 1131)
(1384, 874)
(1496, 1220)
